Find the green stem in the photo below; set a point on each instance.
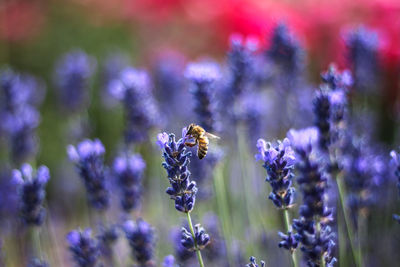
(289, 229)
(346, 216)
(223, 209)
(198, 253)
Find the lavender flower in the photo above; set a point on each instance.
(182, 190)
(279, 162)
(72, 75)
(240, 63)
(253, 262)
(313, 231)
(20, 95)
(182, 255)
(31, 188)
(288, 242)
(133, 89)
(203, 77)
(38, 263)
(20, 127)
(88, 158)
(396, 162)
(141, 238)
(84, 248)
(362, 44)
(128, 170)
(329, 106)
(285, 51)
(106, 238)
(200, 241)
(169, 261)
(113, 65)
(363, 171)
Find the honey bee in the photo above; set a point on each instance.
(200, 137)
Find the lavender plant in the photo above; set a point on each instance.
(363, 44)
(88, 159)
(141, 240)
(128, 170)
(313, 230)
(72, 75)
(84, 248)
(203, 77)
(396, 162)
(253, 262)
(132, 88)
(31, 189)
(182, 190)
(279, 162)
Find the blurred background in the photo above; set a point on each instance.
(167, 34)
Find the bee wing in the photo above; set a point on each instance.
(211, 136)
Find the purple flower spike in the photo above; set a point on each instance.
(303, 139)
(88, 158)
(31, 190)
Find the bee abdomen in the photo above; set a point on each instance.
(202, 148)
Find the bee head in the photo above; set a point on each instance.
(190, 129)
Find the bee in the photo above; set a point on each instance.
(200, 137)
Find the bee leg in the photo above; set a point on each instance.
(190, 144)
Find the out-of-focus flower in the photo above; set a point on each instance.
(183, 256)
(114, 63)
(128, 170)
(133, 89)
(31, 187)
(285, 51)
(84, 248)
(169, 261)
(200, 241)
(363, 45)
(253, 262)
(72, 76)
(182, 190)
(203, 77)
(303, 139)
(88, 158)
(396, 162)
(106, 238)
(140, 235)
(37, 263)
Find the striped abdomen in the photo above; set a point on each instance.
(202, 147)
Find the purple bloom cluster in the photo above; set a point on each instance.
(72, 76)
(279, 163)
(31, 188)
(19, 97)
(396, 162)
(313, 231)
(362, 44)
(329, 106)
(253, 262)
(200, 240)
(182, 190)
(128, 170)
(133, 89)
(38, 263)
(88, 158)
(203, 77)
(141, 239)
(363, 172)
(84, 248)
(285, 51)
